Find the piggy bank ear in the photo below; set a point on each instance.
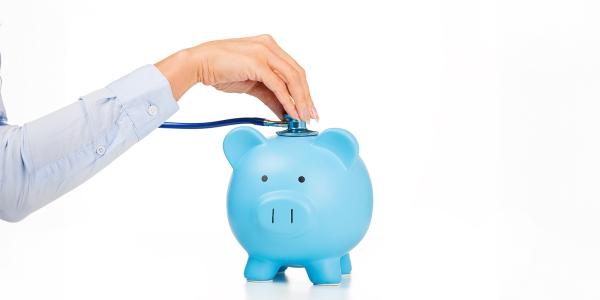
(239, 141)
(341, 142)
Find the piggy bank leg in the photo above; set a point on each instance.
(325, 272)
(346, 265)
(260, 269)
(282, 269)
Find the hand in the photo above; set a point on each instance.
(255, 65)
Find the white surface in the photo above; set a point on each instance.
(478, 120)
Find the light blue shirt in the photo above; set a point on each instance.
(44, 159)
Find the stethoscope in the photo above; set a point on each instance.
(295, 128)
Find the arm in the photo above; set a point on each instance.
(46, 158)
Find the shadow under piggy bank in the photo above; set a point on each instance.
(280, 289)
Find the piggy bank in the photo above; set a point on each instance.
(297, 201)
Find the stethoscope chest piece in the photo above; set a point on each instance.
(296, 128)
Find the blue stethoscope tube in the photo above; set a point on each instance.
(226, 122)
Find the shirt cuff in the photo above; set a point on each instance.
(146, 97)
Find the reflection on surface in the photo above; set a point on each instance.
(282, 288)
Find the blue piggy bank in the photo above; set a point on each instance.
(297, 202)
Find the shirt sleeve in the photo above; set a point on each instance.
(46, 158)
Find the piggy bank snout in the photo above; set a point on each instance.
(284, 213)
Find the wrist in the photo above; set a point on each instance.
(198, 57)
(180, 70)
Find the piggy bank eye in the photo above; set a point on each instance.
(264, 178)
(301, 179)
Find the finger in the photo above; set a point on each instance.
(278, 87)
(273, 46)
(294, 85)
(265, 95)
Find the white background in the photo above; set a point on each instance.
(478, 120)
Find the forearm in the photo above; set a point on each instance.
(46, 158)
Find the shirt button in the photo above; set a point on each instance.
(152, 110)
(100, 150)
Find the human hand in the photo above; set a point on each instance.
(254, 65)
